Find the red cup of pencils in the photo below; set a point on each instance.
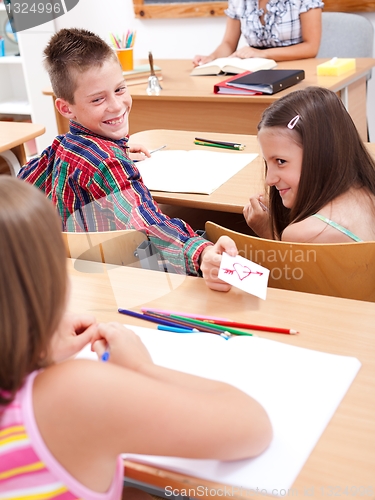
(125, 56)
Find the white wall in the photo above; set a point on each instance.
(166, 38)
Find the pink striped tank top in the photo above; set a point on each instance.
(28, 471)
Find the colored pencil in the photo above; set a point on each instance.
(176, 329)
(247, 326)
(180, 321)
(186, 315)
(212, 145)
(146, 317)
(167, 321)
(263, 206)
(157, 149)
(222, 321)
(222, 143)
(200, 324)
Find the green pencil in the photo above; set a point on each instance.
(201, 324)
(238, 147)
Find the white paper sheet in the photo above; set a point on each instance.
(299, 388)
(191, 171)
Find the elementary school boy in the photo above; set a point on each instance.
(87, 172)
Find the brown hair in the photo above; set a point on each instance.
(70, 52)
(33, 281)
(334, 156)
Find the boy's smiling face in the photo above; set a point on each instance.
(102, 102)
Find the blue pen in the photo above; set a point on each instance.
(176, 329)
(105, 356)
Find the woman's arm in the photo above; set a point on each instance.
(228, 45)
(311, 26)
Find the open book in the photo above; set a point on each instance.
(192, 171)
(299, 388)
(233, 65)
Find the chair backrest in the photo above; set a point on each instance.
(9, 163)
(344, 270)
(110, 247)
(346, 35)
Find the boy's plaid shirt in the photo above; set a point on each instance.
(96, 187)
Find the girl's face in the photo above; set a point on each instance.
(283, 157)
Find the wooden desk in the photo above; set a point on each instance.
(13, 135)
(344, 457)
(188, 103)
(233, 194)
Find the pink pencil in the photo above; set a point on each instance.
(194, 316)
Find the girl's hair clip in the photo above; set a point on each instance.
(293, 122)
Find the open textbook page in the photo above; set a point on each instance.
(233, 65)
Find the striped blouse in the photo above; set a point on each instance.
(28, 471)
(96, 187)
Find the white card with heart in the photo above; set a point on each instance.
(244, 274)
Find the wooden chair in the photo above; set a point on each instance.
(110, 247)
(344, 270)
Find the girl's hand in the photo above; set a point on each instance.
(257, 217)
(124, 346)
(210, 263)
(73, 333)
(247, 52)
(138, 152)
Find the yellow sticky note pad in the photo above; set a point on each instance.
(335, 67)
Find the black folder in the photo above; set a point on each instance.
(268, 81)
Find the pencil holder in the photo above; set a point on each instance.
(125, 56)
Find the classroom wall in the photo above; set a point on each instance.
(166, 38)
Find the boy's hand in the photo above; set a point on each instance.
(124, 346)
(138, 152)
(257, 217)
(73, 333)
(210, 263)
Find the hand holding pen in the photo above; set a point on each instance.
(123, 347)
(257, 216)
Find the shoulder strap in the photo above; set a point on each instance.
(338, 227)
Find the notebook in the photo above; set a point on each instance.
(233, 65)
(299, 388)
(192, 171)
(224, 88)
(269, 81)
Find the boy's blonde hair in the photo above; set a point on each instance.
(71, 52)
(33, 281)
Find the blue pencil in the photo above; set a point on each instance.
(176, 329)
(146, 317)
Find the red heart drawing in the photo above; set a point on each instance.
(242, 271)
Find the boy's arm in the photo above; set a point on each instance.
(132, 205)
(38, 171)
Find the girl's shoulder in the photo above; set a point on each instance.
(349, 217)
(310, 230)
